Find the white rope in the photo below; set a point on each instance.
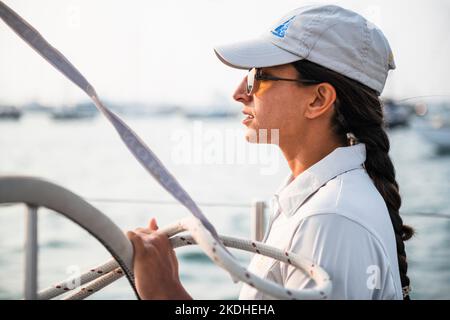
(110, 271)
(96, 285)
(68, 284)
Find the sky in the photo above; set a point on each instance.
(162, 51)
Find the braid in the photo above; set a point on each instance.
(359, 115)
(381, 170)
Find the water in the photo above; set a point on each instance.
(88, 158)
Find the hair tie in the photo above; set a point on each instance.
(406, 291)
(351, 138)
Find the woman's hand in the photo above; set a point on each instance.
(155, 265)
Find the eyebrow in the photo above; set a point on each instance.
(268, 72)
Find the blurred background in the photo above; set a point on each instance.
(153, 64)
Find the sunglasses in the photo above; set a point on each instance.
(255, 75)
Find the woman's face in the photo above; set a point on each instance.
(276, 106)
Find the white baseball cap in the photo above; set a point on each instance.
(328, 35)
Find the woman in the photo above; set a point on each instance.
(315, 78)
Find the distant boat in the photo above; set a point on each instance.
(164, 110)
(35, 107)
(10, 112)
(143, 110)
(80, 111)
(434, 125)
(214, 112)
(396, 115)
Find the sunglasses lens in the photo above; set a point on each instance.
(251, 81)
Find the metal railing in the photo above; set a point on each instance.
(31, 254)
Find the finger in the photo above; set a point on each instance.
(153, 225)
(130, 234)
(137, 242)
(143, 230)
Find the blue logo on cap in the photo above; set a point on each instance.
(280, 31)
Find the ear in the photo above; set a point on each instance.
(322, 101)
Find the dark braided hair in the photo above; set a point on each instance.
(359, 115)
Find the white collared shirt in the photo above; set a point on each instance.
(333, 214)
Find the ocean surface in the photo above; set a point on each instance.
(216, 166)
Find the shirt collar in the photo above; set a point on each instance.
(293, 192)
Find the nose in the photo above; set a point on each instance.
(240, 95)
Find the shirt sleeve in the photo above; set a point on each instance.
(351, 255)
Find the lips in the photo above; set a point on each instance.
(249, 117)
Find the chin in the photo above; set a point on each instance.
(258, 136)
(251, 135)
(250, 138)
